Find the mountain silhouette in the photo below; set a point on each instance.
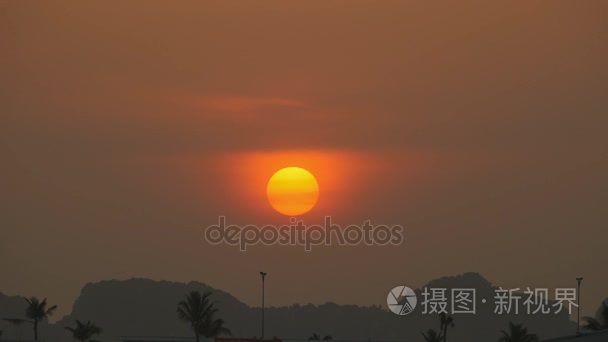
(143, 307)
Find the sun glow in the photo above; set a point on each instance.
(242, 180)
(292, 191)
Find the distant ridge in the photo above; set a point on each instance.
(144, 307)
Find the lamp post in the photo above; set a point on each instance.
(263, 274)
(578, 308)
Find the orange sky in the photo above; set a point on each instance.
(128, 127)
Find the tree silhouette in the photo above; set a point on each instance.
(517, 333)
(601, 323)
(199, 312)
(317, 337)
(35, 312)
(84, 332)
(432, 336)
(445, 322)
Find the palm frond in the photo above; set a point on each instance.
(51, 310)
(16, 321)
(198, 310)
(517, 332)
(432, 336)
(83, 332)
(592, 324)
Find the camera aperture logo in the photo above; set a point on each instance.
(401, 300)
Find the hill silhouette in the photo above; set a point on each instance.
(143, 307)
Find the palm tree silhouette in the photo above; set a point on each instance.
(317, 337)
(199, 311)
(445, 322)
(601, 323)
(432, 336)
(84, 332)
(35, 312)
(517, 333)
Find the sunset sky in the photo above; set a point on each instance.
(126, 128)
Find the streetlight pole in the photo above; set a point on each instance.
(263, 274)
(578, 308)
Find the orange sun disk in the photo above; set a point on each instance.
(292, 191)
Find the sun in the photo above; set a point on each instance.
(292, 191)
